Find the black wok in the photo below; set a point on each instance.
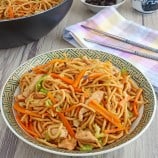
(20, 31)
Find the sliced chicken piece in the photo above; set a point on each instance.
(20, 98)
(81, 113)
(98, 96)
(69, 144)
(76, 123)
(36, 103)
(31, 87)
(39, 96)
(86, 137)
(63, 132)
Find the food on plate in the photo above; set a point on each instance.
(19, 8)
(78, 103)
(101, 2)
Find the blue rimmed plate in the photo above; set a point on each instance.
(11, 85)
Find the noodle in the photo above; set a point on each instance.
(77, 104)
(19, 8)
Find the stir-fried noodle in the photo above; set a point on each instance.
(77, 104)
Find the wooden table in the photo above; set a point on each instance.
(10, 146)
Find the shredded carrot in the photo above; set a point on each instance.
(64, 79)
(31, 126)
(66, 124)
(25, 128)
(51, 97)
(10, 12)
(106, 111)
(67, 80)
(77, 89)
(32, 129)
(25, 111)
(95, 75)
(106, 114)
(136, 113)
(108, 131)
(135, 109)
(79, 77)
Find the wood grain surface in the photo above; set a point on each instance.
(10, 146)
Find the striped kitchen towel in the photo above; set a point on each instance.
(109, 20)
